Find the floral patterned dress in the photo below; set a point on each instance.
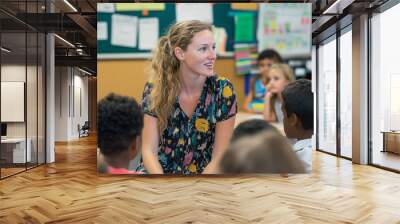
(186, 145)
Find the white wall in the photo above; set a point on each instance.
(12, 101)
(61, 103)
(71, 93)
(15, 73)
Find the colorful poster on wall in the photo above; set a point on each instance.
(285, 28)
(244, 27)
(245, 58)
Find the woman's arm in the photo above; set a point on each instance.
(223, 133)
(150, 140)
(268, 115)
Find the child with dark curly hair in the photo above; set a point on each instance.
(298, 119)
(120, 123)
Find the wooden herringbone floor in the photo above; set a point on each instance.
(70, 191)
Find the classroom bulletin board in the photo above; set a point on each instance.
(131, 30)
(223, 16)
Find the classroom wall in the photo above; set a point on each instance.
(128, 77)
(61, 103)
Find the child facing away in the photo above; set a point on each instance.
(298, 120)
(258, 147)
(120, 123)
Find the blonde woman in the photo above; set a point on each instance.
(189, 111)
(280, 75)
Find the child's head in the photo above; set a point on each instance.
(266, 152)
(279, 76)
(119, 123)
(298, 108)
(251, 127)
(265, 59)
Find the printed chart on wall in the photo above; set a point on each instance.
(286, 28)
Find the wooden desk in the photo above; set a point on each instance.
(391, 141)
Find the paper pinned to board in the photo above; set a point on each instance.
(124, 30)
(194, 11)
(148, 33)
(102, 31)
(221, 37)
(139, 6)
(105, 7)
(244, 6)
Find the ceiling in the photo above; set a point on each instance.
(79, 27)
(329, 16)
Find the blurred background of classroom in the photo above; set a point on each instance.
(127, 33)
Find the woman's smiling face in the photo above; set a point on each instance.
(200, 55)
